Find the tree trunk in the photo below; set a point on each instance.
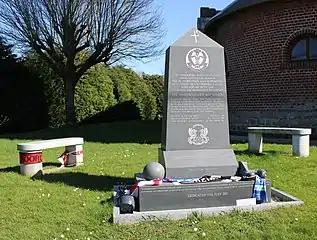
(70, 100)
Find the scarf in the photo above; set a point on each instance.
(259, 189)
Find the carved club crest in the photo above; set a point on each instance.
(198, 135)
(197, 59)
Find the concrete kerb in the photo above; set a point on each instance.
(136, 217)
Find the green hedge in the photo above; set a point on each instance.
(94, 93)
(98, 90)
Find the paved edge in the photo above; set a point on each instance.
(136, 217)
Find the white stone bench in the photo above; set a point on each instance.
(300, 139)
(31, 154)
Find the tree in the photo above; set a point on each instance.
(58, 30)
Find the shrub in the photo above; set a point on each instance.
(22, 105)
(123, 111)
(130, 86)
(94, 93)
(156, 86)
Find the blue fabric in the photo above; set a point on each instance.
(259, 189)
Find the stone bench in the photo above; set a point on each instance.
(31, 154)
(300, 139)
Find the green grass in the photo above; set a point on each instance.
(79, 199)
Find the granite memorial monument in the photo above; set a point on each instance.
(195, 131)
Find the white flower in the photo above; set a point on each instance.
(88, 238)
(76, 189)
(62, 236)
(79, 194)
(90, 233)
(84, 204)
(67, 229)
(296, 219)
(43, 194)
(48, 195)
(204, 234)
(103, 221)
(40, 189)
(98, 197)
(195, 229)
(123, 173)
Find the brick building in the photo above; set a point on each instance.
(271, 53)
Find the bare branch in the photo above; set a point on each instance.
(58, 30)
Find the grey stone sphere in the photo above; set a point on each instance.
(153, 170)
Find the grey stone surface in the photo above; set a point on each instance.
(195, 112)
(196, 163)
(136, 217)
(195, 94)
(197, 195)
(293, 131)
(52, 143)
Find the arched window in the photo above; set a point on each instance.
(304, 48)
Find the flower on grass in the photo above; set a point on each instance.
(48, 195)
(195, 229)
(84, 204)
(67, 229)
(62, 235)
(204, 234)
(123, 173)
(90, 233)
(103, 221)
(98, 197)
(296, 219)
(43, 194)
(88, 238)
(76, 189)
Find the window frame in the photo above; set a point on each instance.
(307, 38)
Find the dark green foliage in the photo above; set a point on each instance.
(98, 90)
(124, 111)
(130, 86)
(53, 89)
(93, 93)
(156, 86)
(21, 95)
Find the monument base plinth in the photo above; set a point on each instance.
(279, 199)
(197, 163)
(195, 195)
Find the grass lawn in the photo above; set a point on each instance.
(75, 204)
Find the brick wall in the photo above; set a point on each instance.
(264, 89)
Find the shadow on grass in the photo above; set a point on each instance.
(115, 132)
(264, 153)
(86, 181)
(16, 169)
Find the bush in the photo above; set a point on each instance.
(156, 86)
(98, 90)
(22, 105)
(94, 93)
(123, 111)
(130, 86)
(53, 89)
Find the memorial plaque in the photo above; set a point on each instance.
(195, 114)
(186, 196)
